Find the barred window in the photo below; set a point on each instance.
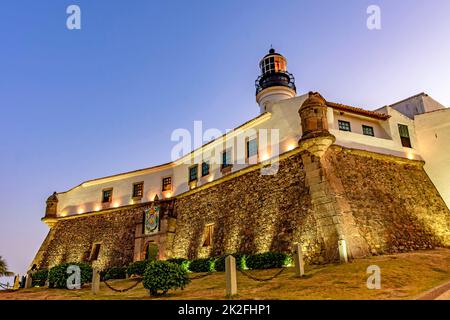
(368, 131)
(167, 184)
(404, 136)
(107, 195)
(226, 158)
(193, 173)
(138, 190)
(208, 235)
(95, 251)
(252, 148)
(205, 168)
(344, 125)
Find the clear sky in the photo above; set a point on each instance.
(82, 104)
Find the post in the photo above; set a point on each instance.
(343, 256)
(95, 281)
(298, 259)
(230, 274)
(29, 281)
(16, 282)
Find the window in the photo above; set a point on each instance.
(205, 168)
(252, 148)
(138, 190)
(95, 250)
(208, 235)
(226, 158)
(404, 135)
(167, 184)
(344, 125)
(368, 131)
(193, 173)
(107, 196)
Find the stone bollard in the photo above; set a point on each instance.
(95, 281)
(343, 256)
(29, 281)
(298, 260)
(230, 275)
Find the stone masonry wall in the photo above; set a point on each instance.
(251, 213)
(393, 201)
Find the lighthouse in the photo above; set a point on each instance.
(275, 83)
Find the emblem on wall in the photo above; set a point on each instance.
(151, 220)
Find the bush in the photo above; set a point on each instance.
(161, 276)
(267, 260)
(39, 278)
(202, 265)
(57, 276)
(137, 268)
(115, 273)
(240, 262)
(184, 263)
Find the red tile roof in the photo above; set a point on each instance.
(360, 111)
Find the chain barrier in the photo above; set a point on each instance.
(248, 275)
(123, 290)
(201, 276)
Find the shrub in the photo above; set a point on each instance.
(39, 277)
(240, 262)
(115, 273)
(161, 276)
(184, 263)
(202, 265)
(267, 260)
(57, 276)
(137, 268)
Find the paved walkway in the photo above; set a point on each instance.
(441, 292)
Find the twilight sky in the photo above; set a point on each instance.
(82, 104)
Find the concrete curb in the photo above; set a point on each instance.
(435, 292)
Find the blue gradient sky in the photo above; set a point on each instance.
(76, 105)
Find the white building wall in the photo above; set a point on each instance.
(433, 136)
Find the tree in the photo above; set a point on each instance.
(4, 268)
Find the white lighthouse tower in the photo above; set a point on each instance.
(274, 83)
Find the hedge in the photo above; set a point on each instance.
(137, 268)
(240, 262)
(202, 265)
(267, 260)
(161, 276)
(39, 278)
(184, 263)
(115, 273)
(57, 276)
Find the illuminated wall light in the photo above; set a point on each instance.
(97, 208)
(168, 194)
(291, 147)
(116, 204)
(264, 156)
(410, 156)
(210, 179)
(80, 211)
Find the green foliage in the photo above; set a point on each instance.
(267, 260)
(4, 268)
(202, 265)
(161, 276)
(137, 268)
(39, 278)
(57, 276)
(240, 262)
(184, 263)
(115, 273)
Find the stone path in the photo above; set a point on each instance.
(441, 292)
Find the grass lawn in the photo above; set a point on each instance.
(403, 276)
